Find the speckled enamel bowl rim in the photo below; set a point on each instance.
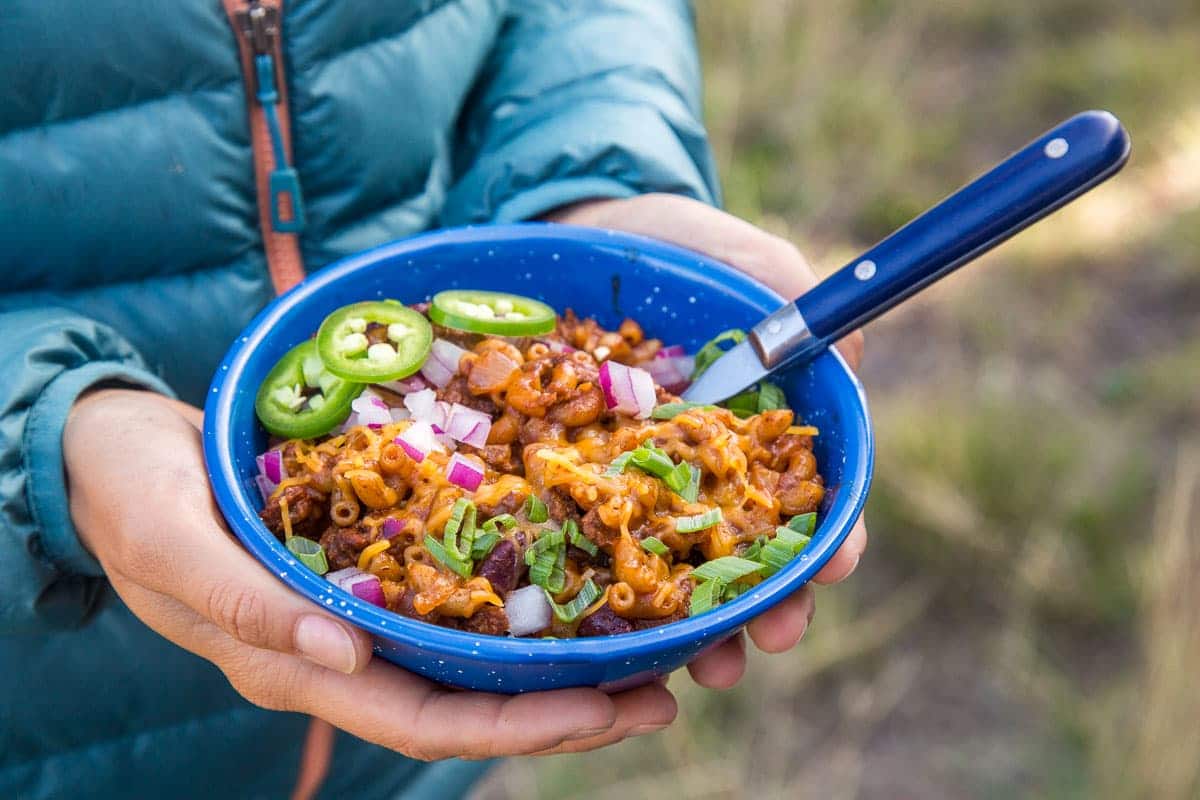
(236, 503)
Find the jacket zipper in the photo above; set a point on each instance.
(256, 27)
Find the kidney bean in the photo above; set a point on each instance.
(604, 622)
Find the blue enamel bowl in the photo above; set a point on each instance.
(677, 295)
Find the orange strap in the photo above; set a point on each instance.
(283, 251)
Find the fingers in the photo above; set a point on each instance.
(426, 721)
(394, 708)
(721, 667)
(640, 711)
(154, 522)
(782, 627)
(844, 561)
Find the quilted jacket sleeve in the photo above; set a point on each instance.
(48, 357)
(579, 100)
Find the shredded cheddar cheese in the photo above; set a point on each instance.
(370, 551)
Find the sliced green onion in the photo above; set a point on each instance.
(775, 556)
(743, 405)
(692, 490)
(583, 543)
(547, 560)
(712, 350)
(779, 551)
(678, 479)
(803, 523)
(462, 520)
(549, 540)
(734, 590)
(672, 410)
(483, 544)
(726, 569)
(558, 576)
(770, 397)
(681, 478)
(505, 521)
(570, 611)
(653, 460)
(308, 553)
(698, 522)
(753, 550)
(549, 569)
(439, 551)
(706, 595)
(655, 545)
(618, 464)
(535, 509)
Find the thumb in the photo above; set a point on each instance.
(177, 544)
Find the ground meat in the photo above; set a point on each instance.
(488, 619)
(596, 530)
(306, 507)
(509, 504)
(560, 505)
(456, 391)
(501, 567)
(603, 622)
(342, 545)
(500, 457)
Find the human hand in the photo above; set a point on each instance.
(141, 503)
(779, 265)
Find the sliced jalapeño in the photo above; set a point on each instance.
(374, 341)
(300, 398)
(494, 313)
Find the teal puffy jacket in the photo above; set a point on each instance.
(132, 252)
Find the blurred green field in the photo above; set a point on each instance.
(1027, 621)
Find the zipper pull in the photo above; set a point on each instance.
(259, 25)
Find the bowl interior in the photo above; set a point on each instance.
(676, 295)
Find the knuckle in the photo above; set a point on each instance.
(240, 611)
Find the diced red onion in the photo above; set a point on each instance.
(448, 353)
(468, 425)
(421, 404)
(370, 409)
(628, 390)
(527, 610)
(440, 418)
(399, 414)
(442, 364)
(666, 373)
(671, 351)
(435, 372)
(271, 464)
(463, 472)
(413, 383)
(392, 527)
(265, 487)
(417, 440)
(558, 346)
(362, 585)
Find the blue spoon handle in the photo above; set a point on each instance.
(1049, 172)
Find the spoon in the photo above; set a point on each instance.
(1046, 174)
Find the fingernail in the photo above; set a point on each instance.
(587, 733)
(324, 642)
(649, 727)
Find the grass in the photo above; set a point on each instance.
(1027, 622)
